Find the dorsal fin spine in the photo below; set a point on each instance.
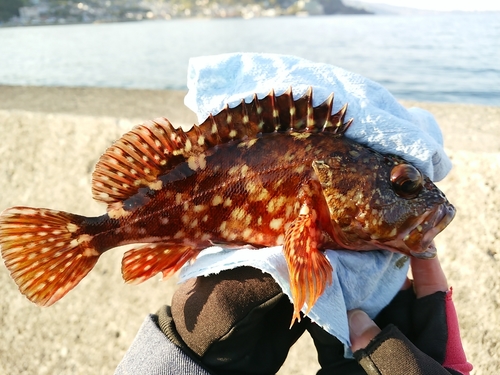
(329, 103)
(310, 123)
(259, 110)
(291, 108)
(275, 112)
(214, 129)
(150, 150)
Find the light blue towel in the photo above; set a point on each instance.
(380, 122)
(366, 280)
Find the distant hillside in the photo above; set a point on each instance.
(338, 7)
(48, 12)
(388, 9)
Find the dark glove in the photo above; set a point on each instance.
(420, 329)
(415, 344)
(420, 320)
(235, 322)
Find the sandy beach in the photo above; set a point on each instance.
(51, 140)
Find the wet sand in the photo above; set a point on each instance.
(51, 140)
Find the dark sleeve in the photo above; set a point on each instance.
(154, 353)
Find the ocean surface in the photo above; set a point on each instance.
(439, 58)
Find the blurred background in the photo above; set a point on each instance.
(436, 51)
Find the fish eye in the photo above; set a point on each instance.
(406, 180)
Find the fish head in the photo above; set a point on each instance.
(382, 202)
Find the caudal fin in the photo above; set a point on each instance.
(45, 251)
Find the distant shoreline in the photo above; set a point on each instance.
(98, 101)
(100, 22)
(121, 102)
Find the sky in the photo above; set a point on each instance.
(443, 5)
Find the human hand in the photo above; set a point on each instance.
(236, 321)
(419, 334)
(428, 278)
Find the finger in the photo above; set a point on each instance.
(361, 329)
(428, 277)
(407, 284)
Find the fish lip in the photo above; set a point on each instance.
(419, 240)
(429, 253)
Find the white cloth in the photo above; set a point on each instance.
(367, 280)
(380, 122)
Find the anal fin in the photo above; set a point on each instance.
(310, 271)
(142, 263)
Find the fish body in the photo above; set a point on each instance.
(275, 171)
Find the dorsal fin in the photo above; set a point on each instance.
(152, 149)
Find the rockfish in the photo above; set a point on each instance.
(274, 171)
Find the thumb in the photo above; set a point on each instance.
(361, 329)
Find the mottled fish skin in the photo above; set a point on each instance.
(275, 171)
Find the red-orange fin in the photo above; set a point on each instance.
(45, 251)
(150, 150)
(310, 271)
(144, 262)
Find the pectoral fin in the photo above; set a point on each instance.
(310, 271)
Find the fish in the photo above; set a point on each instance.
(273, 171)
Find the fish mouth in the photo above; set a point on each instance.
(419, 241)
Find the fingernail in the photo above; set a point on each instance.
(359, 322)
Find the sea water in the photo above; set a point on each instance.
(440, 58)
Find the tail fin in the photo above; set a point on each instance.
(146, 261)
(45, 251)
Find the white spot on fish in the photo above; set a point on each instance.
(178, 198)
(304, 210)
(90, 252)
(280, 240)
(247, 233)
(216, 200)
(244, 170)
(155, 185)
(72, 228)
(194, 223)
(199, 208)
(222, 226)
(180, 234)
(238, 213)
(276, 224)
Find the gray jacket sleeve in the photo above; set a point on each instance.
(153, 353)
